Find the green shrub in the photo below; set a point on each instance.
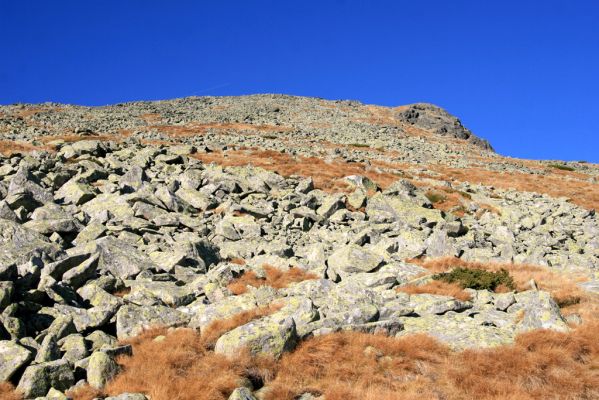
(478, 279)
(435, 197)
(562, 167)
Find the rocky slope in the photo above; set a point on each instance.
(120, 218)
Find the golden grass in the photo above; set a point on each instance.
(7, 392)
(350, 365)
(326, 175)
(9, 147)
(274, 277)
(181, 364)
(540, 364)
(437, 287)
(555, 183)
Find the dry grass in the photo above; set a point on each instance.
(359, 366)
(349, 365)
(437, 287)
(541, 364)
(555, 183)
(151, 118)
(237, 261)
(7, 392)
(181, 364)
(326, 175)
(9, 147)
(274, 277)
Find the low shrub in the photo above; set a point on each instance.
(562, 167)
(435, 197)
(478, 279)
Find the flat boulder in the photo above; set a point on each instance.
(353, 258)
(131, 320)
(270, 335)
(12, 357)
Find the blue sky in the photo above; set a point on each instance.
(523, 74)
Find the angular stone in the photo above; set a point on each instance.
(269, 335)
(353, 258)
(131, 320)
(384, 208)
(75, 192)
(38, 379)
(195, 199)
(242, 393)
(121, 259)
(204, 314)
(100, 369)
(12, 358)
(19, 244)
(539, 311)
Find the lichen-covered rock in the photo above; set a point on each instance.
(394, 209)
(100, 369)
(537, 311)
(458, 331)
(204, 314)
(19, 244)
(242, 393)
(353, 258)
(75, 192)
(131, 320)
(128, 396)
(12, 357)
(6, 293)
(121, 259)
(39, 378)
(270, 335)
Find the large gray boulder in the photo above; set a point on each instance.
(383, 208)
(131, 320)
(537, 310)
(12, 357)
(39, 378)
(122, 259)
(100, 369)
(353, 258)
(269, 335)
(19, 244)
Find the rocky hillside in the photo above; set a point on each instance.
(298, 218)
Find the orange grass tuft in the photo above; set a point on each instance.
(8, 147)
(274, 277)
(540, 364)
(326, 175)
(358, 366)
(437, 287)
(7, 392)
(554, 183)
(180, 364)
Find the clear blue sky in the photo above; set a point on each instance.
(523, 74)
